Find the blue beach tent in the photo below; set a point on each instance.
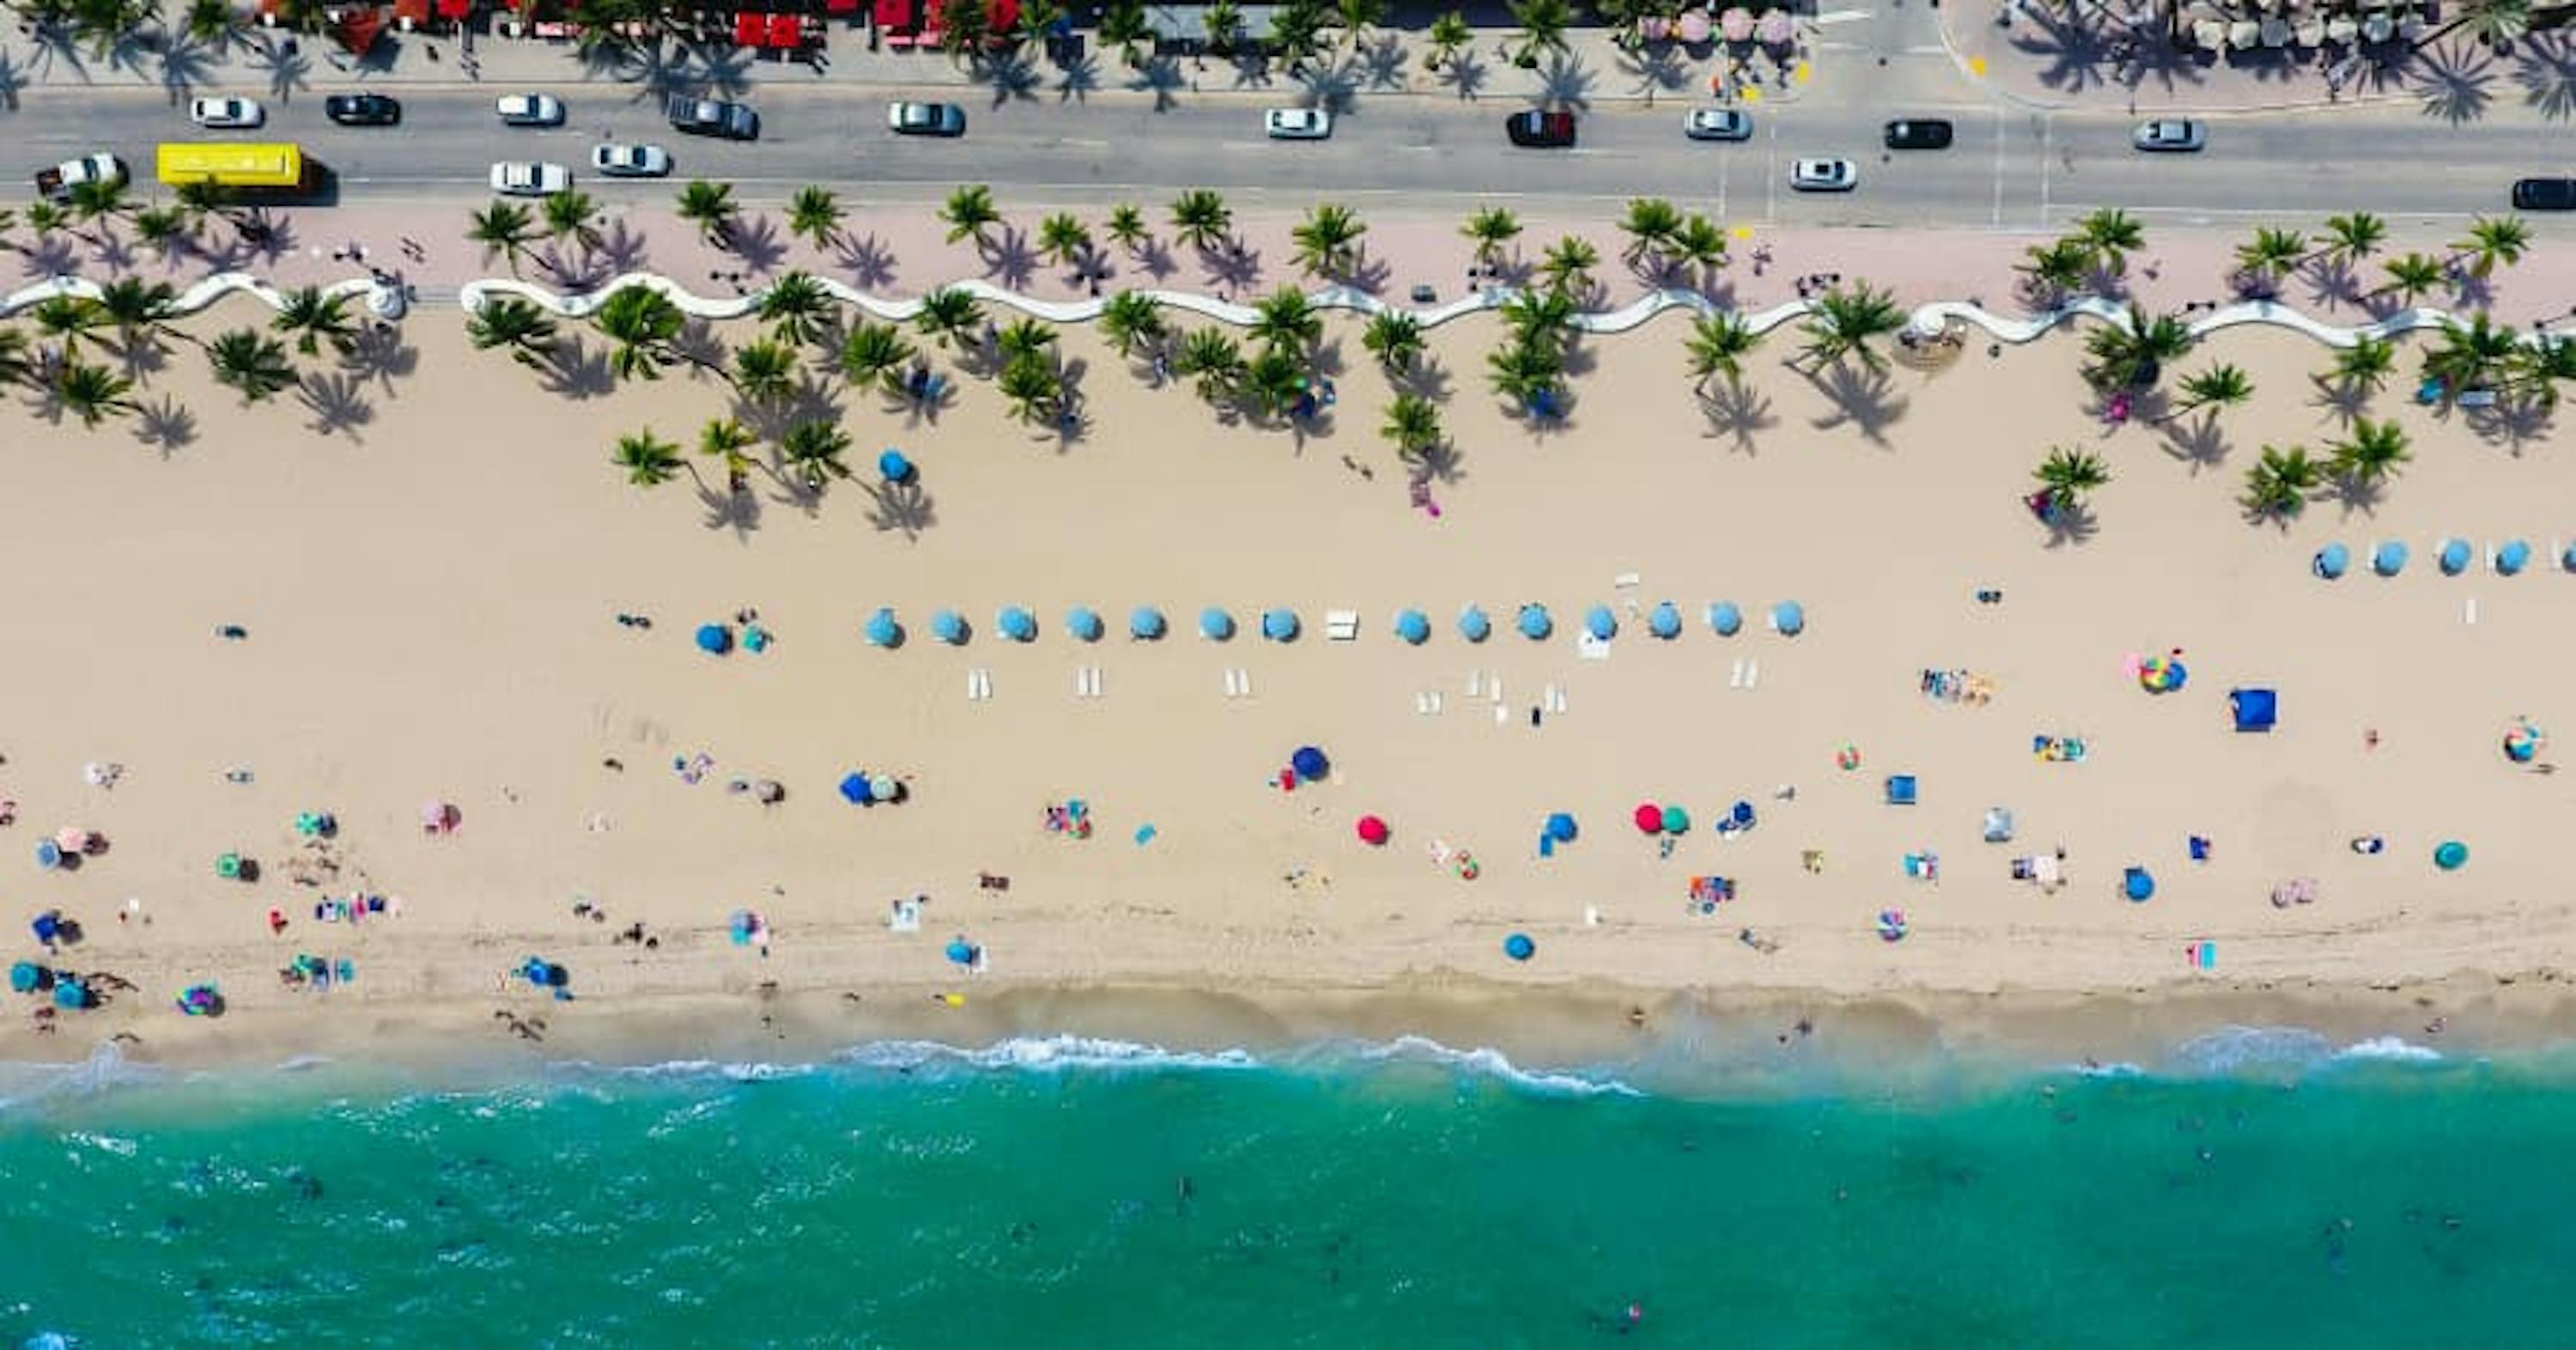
(948, 626)
(1084, 623)
(1665, 621)
(1145, 623)
(2331, 562)
(1413, 627)
(1724, 619)
(1475, 627)
(1535, 623)
(1279, 625)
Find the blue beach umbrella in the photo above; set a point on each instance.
(2136, 884)
(1016, 624)
(1084, 623)
(2450, 855)
(1519, 947)
(961, 952)
(2456, 555)
(1560, 827)
(1145, 623)
(2331, 562)
(1215, 624)
(2513, 557)
(948, 626)
(26, 977)
(1665, 621)
(1789, 618)
(893, 467)
(1279, 625)
(1413, 627)
(883, 631)
(1535, 624)
(1309, 763)
(1601, 623)
(71, 994)
(714, 639)
(1725, 619)
(2388, 559)
(49, 855)
(854, 789)
(1475, 627)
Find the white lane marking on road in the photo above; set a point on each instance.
(1999, 166)
(2047, 162)
(1835, 16)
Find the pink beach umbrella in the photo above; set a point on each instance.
(1373, 831)
(1649, 818)
(72, 839)
(1776, 28)
(1654, 27)
(1736, 24)
(1694, 26)
(438, 817)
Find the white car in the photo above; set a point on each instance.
(2170, 133)
(1297, 124)
(925, 119)
(529, 178)
(631, 161)
(1823, 175)
(1718, 124)
(530, 110)
(226, 114)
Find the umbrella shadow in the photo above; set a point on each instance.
(167, 426)
(905, 508)
(2455, 81)
(2197, 441)
(338, 403)
(2546, 69)
(577, 371)
(1736, 410)
(870, 262)
(1859, 396)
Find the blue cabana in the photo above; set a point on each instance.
(2255, 709)
(854, 789)
(2331, 562)
(714, 639)
(1665, 621)
(1145, 623)
(1413, 627)
(1900, 789)
(1535, 624)
(1601, 623)
(1724, 619)
(893, 467)
(1215, 624)
(2136, 884)
(2388, 559)
(2456, 556)
(1475, 627)
(1016, 624)
(2514, 556)
(948, 626)
(1560, 827)
(961, 952)
(1309, 763)
(26, 977)
(1519, 947)
(1788, 618)
(71, 994)
(1084, 623)
(883, 631)
(1279, 625)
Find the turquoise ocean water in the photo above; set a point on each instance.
(2260, 1188)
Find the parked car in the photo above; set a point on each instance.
(529, 178)
(630, 161)
(926, 119)
(1919, 133)
(1823, 175)
(2544, 194)
(1718, 124)
(713, 117)
(1297, 124)
(226, 114)
(56, 184)
(531, 110)
(2170, 133)
(1551, 130)
(362, 110)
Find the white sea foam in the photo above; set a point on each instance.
(2237, 1049)
(2390, 1047)
(106, 1069)
(1491, 1063)
(1042, 1053)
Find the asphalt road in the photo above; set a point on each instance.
(2008, 169)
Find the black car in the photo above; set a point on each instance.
(2545, 194)
(1553, 130)
(362, 110)
(714, 117)
(1918, 134)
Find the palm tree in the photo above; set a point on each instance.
(1698, 243)
(815, 214)
(92, 393)
(1224, 24)
(2066, 475)
(2492, 240)
(1491, 228)
(947, 315)
(1023, 337)
(725, 439)
(2539, 366)
(216, 24)
(2497, 23)
(649, 461)
(16, 364)
(69, 320)
(1541, 317)
(969, 211)
(1286, 319)
(1328, 241)
(876, 352)
(1273, 380)
(2056, 268)
(764, 371)
(1543, 24)
(2353, 236)
(2220, 386)
(2471, 355)
(2110, 235)
(1126, 227)
(257, 366)
(529, 332)
(1843, 323)
(1030, 384)
(1123, 25)
(43, 218)
(812, 452)
(1132, 319)
(1449, 32)
(1522, 371)
(505, 228)
(1395, 339)
(798, 310)
(1718, 345)
(1214, 357)
(1568, 264)
(571, 214)
(2133, 354)
(1201, 219)
(2369, 455)
(2277, 485)
(139, 310)
(1649, 225)
(710, 207)
(97, 200)
(1412, 426)
(316, 318)
(2412, 276)
(159, 228)
(643, 330)
(2263, 259)
(1357, 17)
(1064, 238)
(2365, 364)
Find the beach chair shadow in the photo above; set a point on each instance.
(1736, 409)
(1860, 397)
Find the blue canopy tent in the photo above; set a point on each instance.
(714, 639)
(1016, 624)
(1788, 618)
(1309, 763)
(2456, 556)
(1279, 625)
(1084, 623)
(1475, 627)
(1900, 789)
(1601, 623)
(1664, 621)
(1215, 624)
(883, 631)
(1560, 827)
(1724, 619)
(2136, 884)
(1535, 624)
(26, 977)
(948, 626)
(854, 788)
(2331, 562)
(1145, 623)
(2514, 556)
(1413, 627)
(893, 467)
(2254, 709)
(71, 994)
(1519, 947)
(2389, 558)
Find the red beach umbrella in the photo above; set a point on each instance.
(1650, 818)
(1373, 831)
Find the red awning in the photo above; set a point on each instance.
(746, 29)
(784, 32)
(455, 9)
(895, 16)
(359, 29)
(1003, 16)
(417, 11)
(840, 6)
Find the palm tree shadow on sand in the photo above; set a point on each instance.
(1858, 396)
(2197, 441)
(870, 262)
(2072, 526)
(1736, 410)
(904, 508)
(576, 371)
(723, 509)
(167, 426)
(338, 403)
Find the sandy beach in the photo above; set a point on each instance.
(429, 590)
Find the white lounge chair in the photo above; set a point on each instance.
(1341, 625)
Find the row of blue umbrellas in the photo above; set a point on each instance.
(1412, 626)
(2457, 555)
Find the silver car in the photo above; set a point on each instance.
(1823, 175)
(1717, 124)
(631, 161)
(226, 114)
(2170, 133)
(926, 119)
(530, 110)
(1297, 124)
(529, 178)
